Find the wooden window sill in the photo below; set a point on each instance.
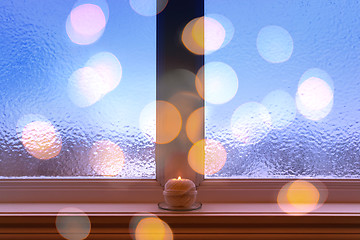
(208, 209)
(212, 221)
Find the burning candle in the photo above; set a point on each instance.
(180, 192)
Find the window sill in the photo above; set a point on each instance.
(208, 209)
(212, 221)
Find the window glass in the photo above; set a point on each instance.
(75, 77)
(282, 88)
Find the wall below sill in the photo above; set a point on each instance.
(213, 221)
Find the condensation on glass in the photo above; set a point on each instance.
(282, 87)
(75, 77)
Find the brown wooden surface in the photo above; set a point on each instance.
(202, 227)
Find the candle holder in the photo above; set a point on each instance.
(180, 195)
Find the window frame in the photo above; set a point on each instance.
(85, 190)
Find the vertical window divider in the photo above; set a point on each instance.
(171, 158)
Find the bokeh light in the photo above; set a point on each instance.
(317, 73)
(103, 4)
(26, 119)
(227, 25)
(87, 19)
(85, 24)
(153, 228)
(282, 108)
(209, 33)
(102, 74)
(108, 68)
(220, 82)
(188, 40)
(147, 226)
(147, 121)
(315, 93)
(163, 127)
(185, 101)
(41, 140)
(85, 87)
(301, 197)
(106, 158)
(207, 156)
(180, 79)
(134, 221)
(73, 224)
(274, 44)
(168, 122)
(148, 7)
(195, 125)
(250, 122)
(314, 97)
(203, 35)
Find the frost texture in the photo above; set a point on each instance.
(36, 60)
(325, 36)
(302, 150)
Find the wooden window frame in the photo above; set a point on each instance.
(171, 158)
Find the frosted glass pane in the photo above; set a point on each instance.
(282, 84)
(75, 76)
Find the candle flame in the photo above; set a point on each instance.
(179, 178)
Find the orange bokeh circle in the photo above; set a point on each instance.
(168, 122)
(195, 125)
(207, 156)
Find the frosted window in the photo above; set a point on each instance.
(75, 77)
(282, 84)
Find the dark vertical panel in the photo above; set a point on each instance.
(172, 55)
